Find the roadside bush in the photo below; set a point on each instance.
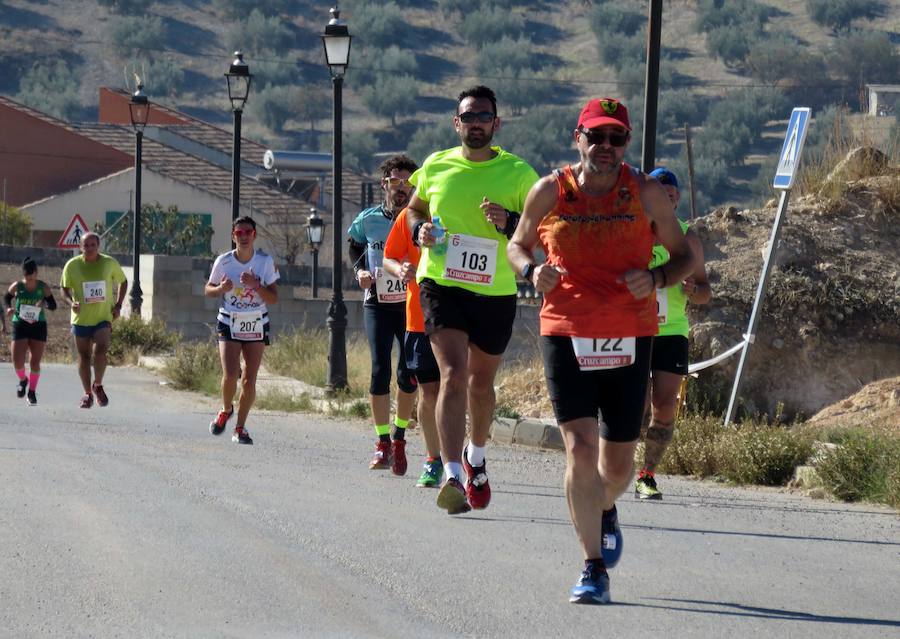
(761, 454)
(15, 226)
(51, 88)
(488, 24)
(277, 399)
(838, 15)
(132, 337)
(257, 33)
(164, 231)
(303, 355)
(130, 34)
(693, 449)
(865, 466)
(195, 366)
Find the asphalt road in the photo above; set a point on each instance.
(133, 521)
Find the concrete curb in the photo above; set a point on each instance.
(534, 432)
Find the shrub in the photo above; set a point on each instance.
(259, 34)
(379, 26)
(278, 73)
(195, 366)
(313, 103)
(838, 15)
(15, 226)
(678, 107)
(380, 62)
(505, 53)
(273, 106)
(607, 19)
(278, 399)
(693, 450)
(129, 7)
(865, 466)
(488, 24)
(164, 231)
(864, 56)
(713, 14)
(359, 151)
(303, 355)
(518, 90)
(52, 88)
(161, 77)
(761, 454)
(391, 95)
(781, 57)
(431, 137)
(623, 52)
(731, 43)
(132, 337)
(542, 137)
(136, 34)
(236, 9)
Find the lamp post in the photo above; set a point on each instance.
(337, 55)
(239, 78)
(315, 231)
(139, 112)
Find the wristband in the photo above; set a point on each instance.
(415, 232)
(528, 271)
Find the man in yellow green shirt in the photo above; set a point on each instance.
(94, 285)
(464, 211)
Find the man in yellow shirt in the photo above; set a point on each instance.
(94, 285)
(462, 214)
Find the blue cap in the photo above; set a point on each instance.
(664, 176)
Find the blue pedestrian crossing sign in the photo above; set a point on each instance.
(789, 161)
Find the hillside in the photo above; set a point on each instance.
(410, 58)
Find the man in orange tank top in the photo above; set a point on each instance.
(597, 222)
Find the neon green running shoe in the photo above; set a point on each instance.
(645, 487)
(432, 473)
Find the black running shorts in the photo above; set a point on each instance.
(615, 396)
(670, 354)
(420, 358)
(25, 330)
(486, 319)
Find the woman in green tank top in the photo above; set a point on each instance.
(26, 300)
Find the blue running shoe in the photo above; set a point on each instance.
(591, 588)
(611, 545)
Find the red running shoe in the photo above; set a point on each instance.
(382, 458)
(102, 399)
(217, 426)
(478, 490)
(87, 401)
(398, 451)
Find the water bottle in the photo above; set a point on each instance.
(439, 233)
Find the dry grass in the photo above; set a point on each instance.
(521, 389)
(303, 355)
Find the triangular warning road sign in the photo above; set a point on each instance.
(76, 229)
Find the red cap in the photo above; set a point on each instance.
(600, 111)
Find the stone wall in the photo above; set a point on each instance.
(173, 292)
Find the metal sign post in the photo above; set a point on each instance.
(784, 180)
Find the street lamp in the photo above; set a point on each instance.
(139, 111)
(337, 55)
(315, 232)
(239, 78)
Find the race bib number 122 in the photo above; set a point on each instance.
(601, 353)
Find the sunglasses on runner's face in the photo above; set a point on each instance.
(243, 232)
(616, 138)
(395, 181)
(470, 116)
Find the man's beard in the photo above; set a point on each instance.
(396, 202)
(478, 142)
(599, 169)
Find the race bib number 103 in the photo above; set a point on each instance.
(471, 259)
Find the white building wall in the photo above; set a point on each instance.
(116, 192)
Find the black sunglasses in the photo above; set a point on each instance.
(616, 138)
(470, 116)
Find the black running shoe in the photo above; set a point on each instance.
(32, 398)
(241, 436)
(21, 386)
